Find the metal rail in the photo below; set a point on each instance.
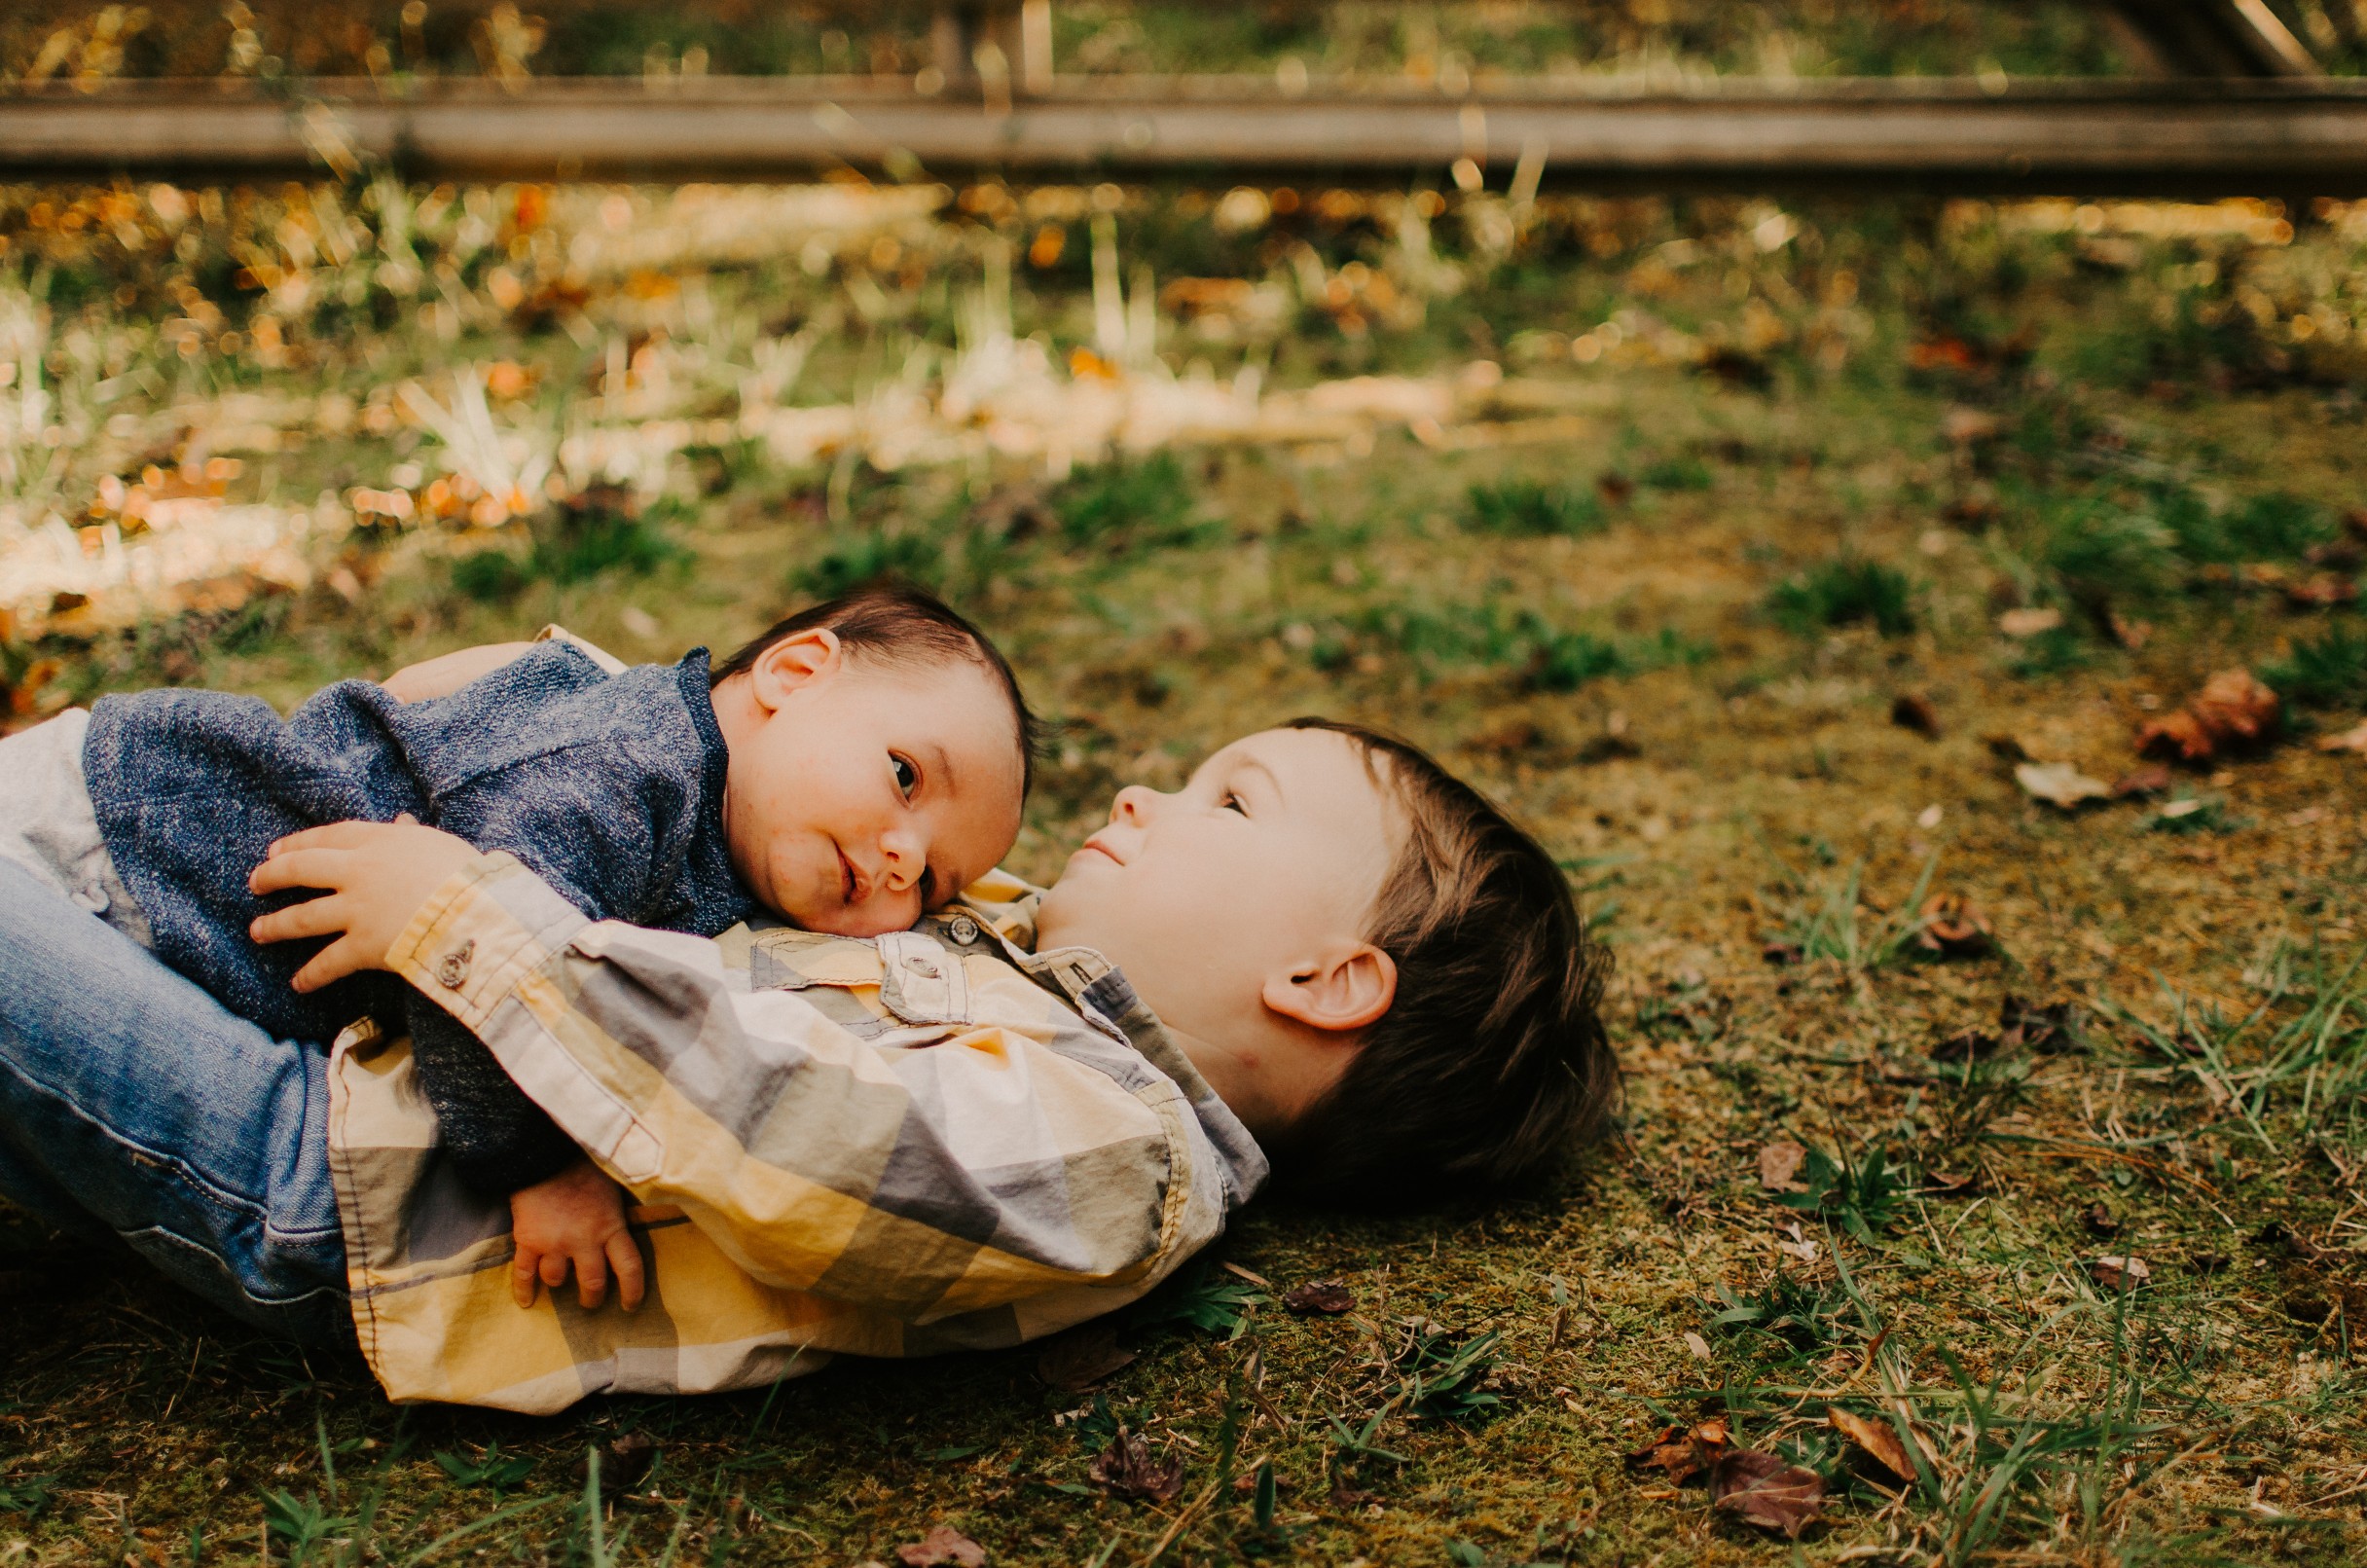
(2284, 138)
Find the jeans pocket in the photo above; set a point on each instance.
(299, 1301)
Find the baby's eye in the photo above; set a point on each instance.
(907, 776)
(1228, 801)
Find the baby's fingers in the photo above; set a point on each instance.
(349, 835)
(625, 1257)
(524, 1276)
(591, 1279)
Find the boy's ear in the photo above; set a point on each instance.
(792, 662)
(1342, 987)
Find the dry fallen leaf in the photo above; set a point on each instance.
(1965, 1046)
(1127, 1470)
(1697, 1345)
(1680, 1454)
(1327, 1296)
(942, 1548)
(1880, 1439)
(1075, 1361)
(2231, 710)
(2353, 739)
(2060, 784)
(2029, 622)
(2037, 1025)
(1913, 711)
(1953, 924)
(2130, 635)
(1779, 1167)
(2009, 747)
(2119, 1273)
(2098, 1219)
(2148, 779)
(1763, 1490)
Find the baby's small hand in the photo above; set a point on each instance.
(576, 1218)
(377, 875)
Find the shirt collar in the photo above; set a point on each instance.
(1107, 1000)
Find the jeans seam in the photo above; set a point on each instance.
(178, 1167)
(238, 1280)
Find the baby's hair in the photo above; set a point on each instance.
(1491, 1066)
(892, 624)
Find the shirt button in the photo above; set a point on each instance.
(453, 972)
(962, 928)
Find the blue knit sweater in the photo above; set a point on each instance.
(609, 787)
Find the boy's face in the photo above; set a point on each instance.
(860, 794)
(1271, 856)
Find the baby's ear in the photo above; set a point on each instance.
(1340, 987)
(792, 662)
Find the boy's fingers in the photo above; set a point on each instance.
(591, 1279)
(315, 917)
(330, 964)
(335, 836)
(522, 1279)
(312, 866)
(626, 1259)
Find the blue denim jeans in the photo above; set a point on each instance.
(134, 1102)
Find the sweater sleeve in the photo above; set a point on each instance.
(497, 1139)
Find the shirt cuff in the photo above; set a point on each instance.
(556, 633)
(488, 927)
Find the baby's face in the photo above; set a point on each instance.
(863, 794)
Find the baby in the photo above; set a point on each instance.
(858, 764)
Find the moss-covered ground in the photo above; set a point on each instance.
(1799, 464)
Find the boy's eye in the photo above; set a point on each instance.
(906, 775)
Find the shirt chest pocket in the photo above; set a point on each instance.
(871, 988)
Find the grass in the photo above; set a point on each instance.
(1847, 590)
(1631, 692)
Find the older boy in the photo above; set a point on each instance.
(1322, 944)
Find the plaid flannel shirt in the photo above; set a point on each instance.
(925, 1142)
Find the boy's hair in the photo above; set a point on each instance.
(1492, 1065)
(889, 624)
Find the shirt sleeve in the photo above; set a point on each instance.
(971, 1168)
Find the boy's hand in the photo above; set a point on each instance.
(576, 1218)
(377, 875)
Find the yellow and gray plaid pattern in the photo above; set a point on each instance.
(926, 1141)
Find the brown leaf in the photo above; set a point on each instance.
(2233, 709)
(2060, 784)
(1953, 924)
(1075, 1361)
(2098, 1219)
(1945, 1185)
(1680, 1454)
(2037, 1026)
(2130, 634)
(942, 1548)
(1328, 1298)
(2151, 778)
(1965, 1046)
(1127, 1469)
(1782, 953)
(2008, 748)
(1779, 1166)
(1878, 1438)
(623, 1461)
(1913, 711)
(2119, 1273)
(2353, 739)
(1615, 488)
(1762, 1491)
(1963, 426)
